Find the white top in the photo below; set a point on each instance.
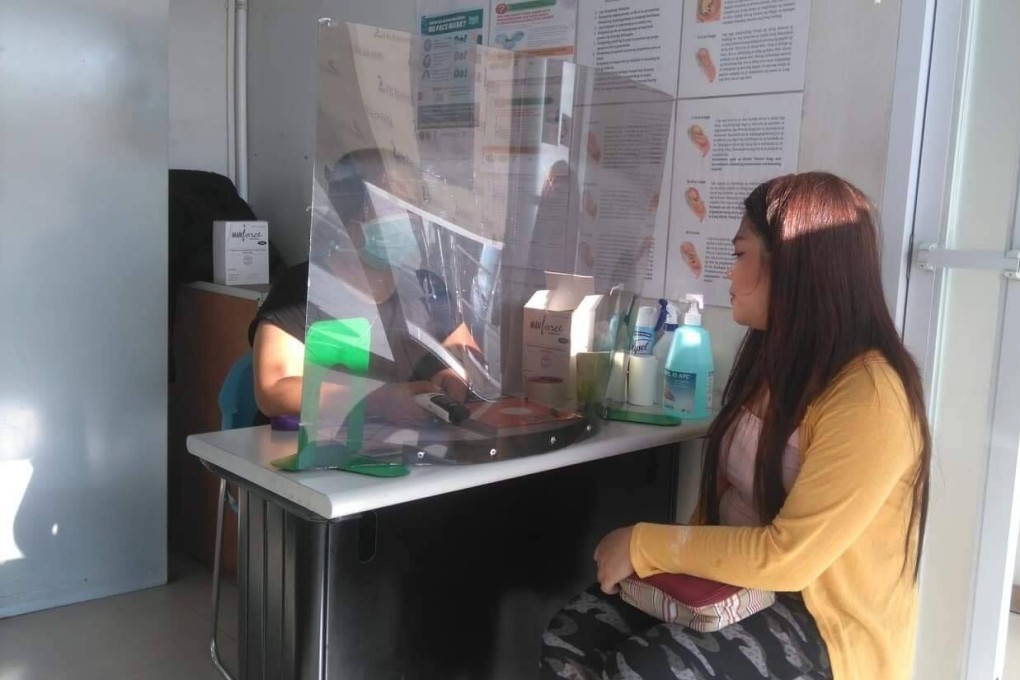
(740, 451)
(332, 494)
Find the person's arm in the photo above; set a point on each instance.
(864, 445)
(461, 339)
(278, 364)
(446, 380)
(278, 360)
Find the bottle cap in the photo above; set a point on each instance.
(693, 315)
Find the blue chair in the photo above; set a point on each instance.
(237, 396)
(237, 409)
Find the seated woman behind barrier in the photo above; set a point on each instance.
(815, 480)
(366, 265)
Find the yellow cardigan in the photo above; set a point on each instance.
(839, 538)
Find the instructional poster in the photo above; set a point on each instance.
(732, 69)
(635, 39)
(655, 282)
(544, 28)
(444, 69)
(724, 149)
(735, 47)
(624, 156)
(444, 63)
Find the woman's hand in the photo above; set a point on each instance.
(448, 382)
(612, 555)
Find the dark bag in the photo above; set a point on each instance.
(198, 198)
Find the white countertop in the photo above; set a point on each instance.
(333, 494)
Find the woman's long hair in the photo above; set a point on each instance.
(825, 308)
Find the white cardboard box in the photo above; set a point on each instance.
(559, 322)
(240, 253)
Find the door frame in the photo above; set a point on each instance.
(906, 126)
(931, 57)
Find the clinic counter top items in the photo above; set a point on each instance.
(246, 453)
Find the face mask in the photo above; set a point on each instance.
(390, 242)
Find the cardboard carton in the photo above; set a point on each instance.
(559, 322)
(240, 253)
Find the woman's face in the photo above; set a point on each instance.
(749, 278)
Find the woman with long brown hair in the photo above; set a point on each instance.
(815, 478)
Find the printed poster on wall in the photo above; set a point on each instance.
(635, 39)
(724, 148)
(444, 65)
(544, 28)
(731, 64)
(655, 281)
(624, 154)
(737, 47)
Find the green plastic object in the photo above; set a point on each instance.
(331, 344)
(339, 458)
(644, 417)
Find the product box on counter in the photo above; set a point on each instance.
(559, 322)
(240, 252)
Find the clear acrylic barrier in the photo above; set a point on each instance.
(452, 184)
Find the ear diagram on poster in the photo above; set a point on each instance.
(697, 135)
(693, 198)
(705, 63)
(709, 10)
(691, 258)
(739, 47)
(734, 144)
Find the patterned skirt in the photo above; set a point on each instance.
(600, 637)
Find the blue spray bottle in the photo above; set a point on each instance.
(690, 370)
(671, 321)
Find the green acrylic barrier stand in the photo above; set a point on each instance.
(329, 344)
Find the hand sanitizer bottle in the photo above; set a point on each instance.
(690, 370)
